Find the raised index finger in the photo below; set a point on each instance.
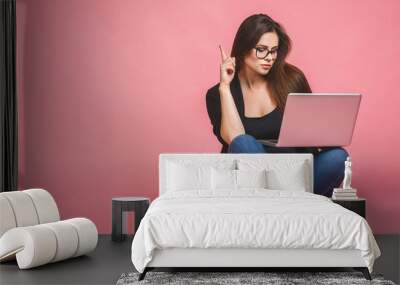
(223, 55)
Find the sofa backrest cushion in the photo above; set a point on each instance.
(26, 208)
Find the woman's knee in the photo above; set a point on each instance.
(329, 170)
(245, 143)
(242, 138)
(333, 162)
(337, 155)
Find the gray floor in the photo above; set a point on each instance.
(110, 260)
(102, 266)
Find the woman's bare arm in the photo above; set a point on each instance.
(231, 124)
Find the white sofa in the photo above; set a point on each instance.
(31, 231)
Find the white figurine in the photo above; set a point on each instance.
(347, 174)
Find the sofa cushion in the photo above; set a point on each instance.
(23, 208)
(51, 242)
(7, 220)
(27, 208)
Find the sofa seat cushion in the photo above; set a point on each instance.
(44, 243)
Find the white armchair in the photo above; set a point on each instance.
(31, 231)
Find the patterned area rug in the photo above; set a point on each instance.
(229, 278)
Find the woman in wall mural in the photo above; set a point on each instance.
(248, 102)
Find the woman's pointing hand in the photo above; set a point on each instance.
(227, 68)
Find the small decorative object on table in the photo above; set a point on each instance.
(120, 206)
(347, 196)
(347, 192)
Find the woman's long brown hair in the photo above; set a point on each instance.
(284, 77)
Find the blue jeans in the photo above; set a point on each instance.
(328, 164)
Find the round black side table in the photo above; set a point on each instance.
(120, 205)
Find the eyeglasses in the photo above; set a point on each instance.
(262, 53)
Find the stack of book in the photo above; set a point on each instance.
(344, 194)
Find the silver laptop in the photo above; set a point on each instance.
(317, 119)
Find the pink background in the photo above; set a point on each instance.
(105, 86)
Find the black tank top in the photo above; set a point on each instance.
(265, 127)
